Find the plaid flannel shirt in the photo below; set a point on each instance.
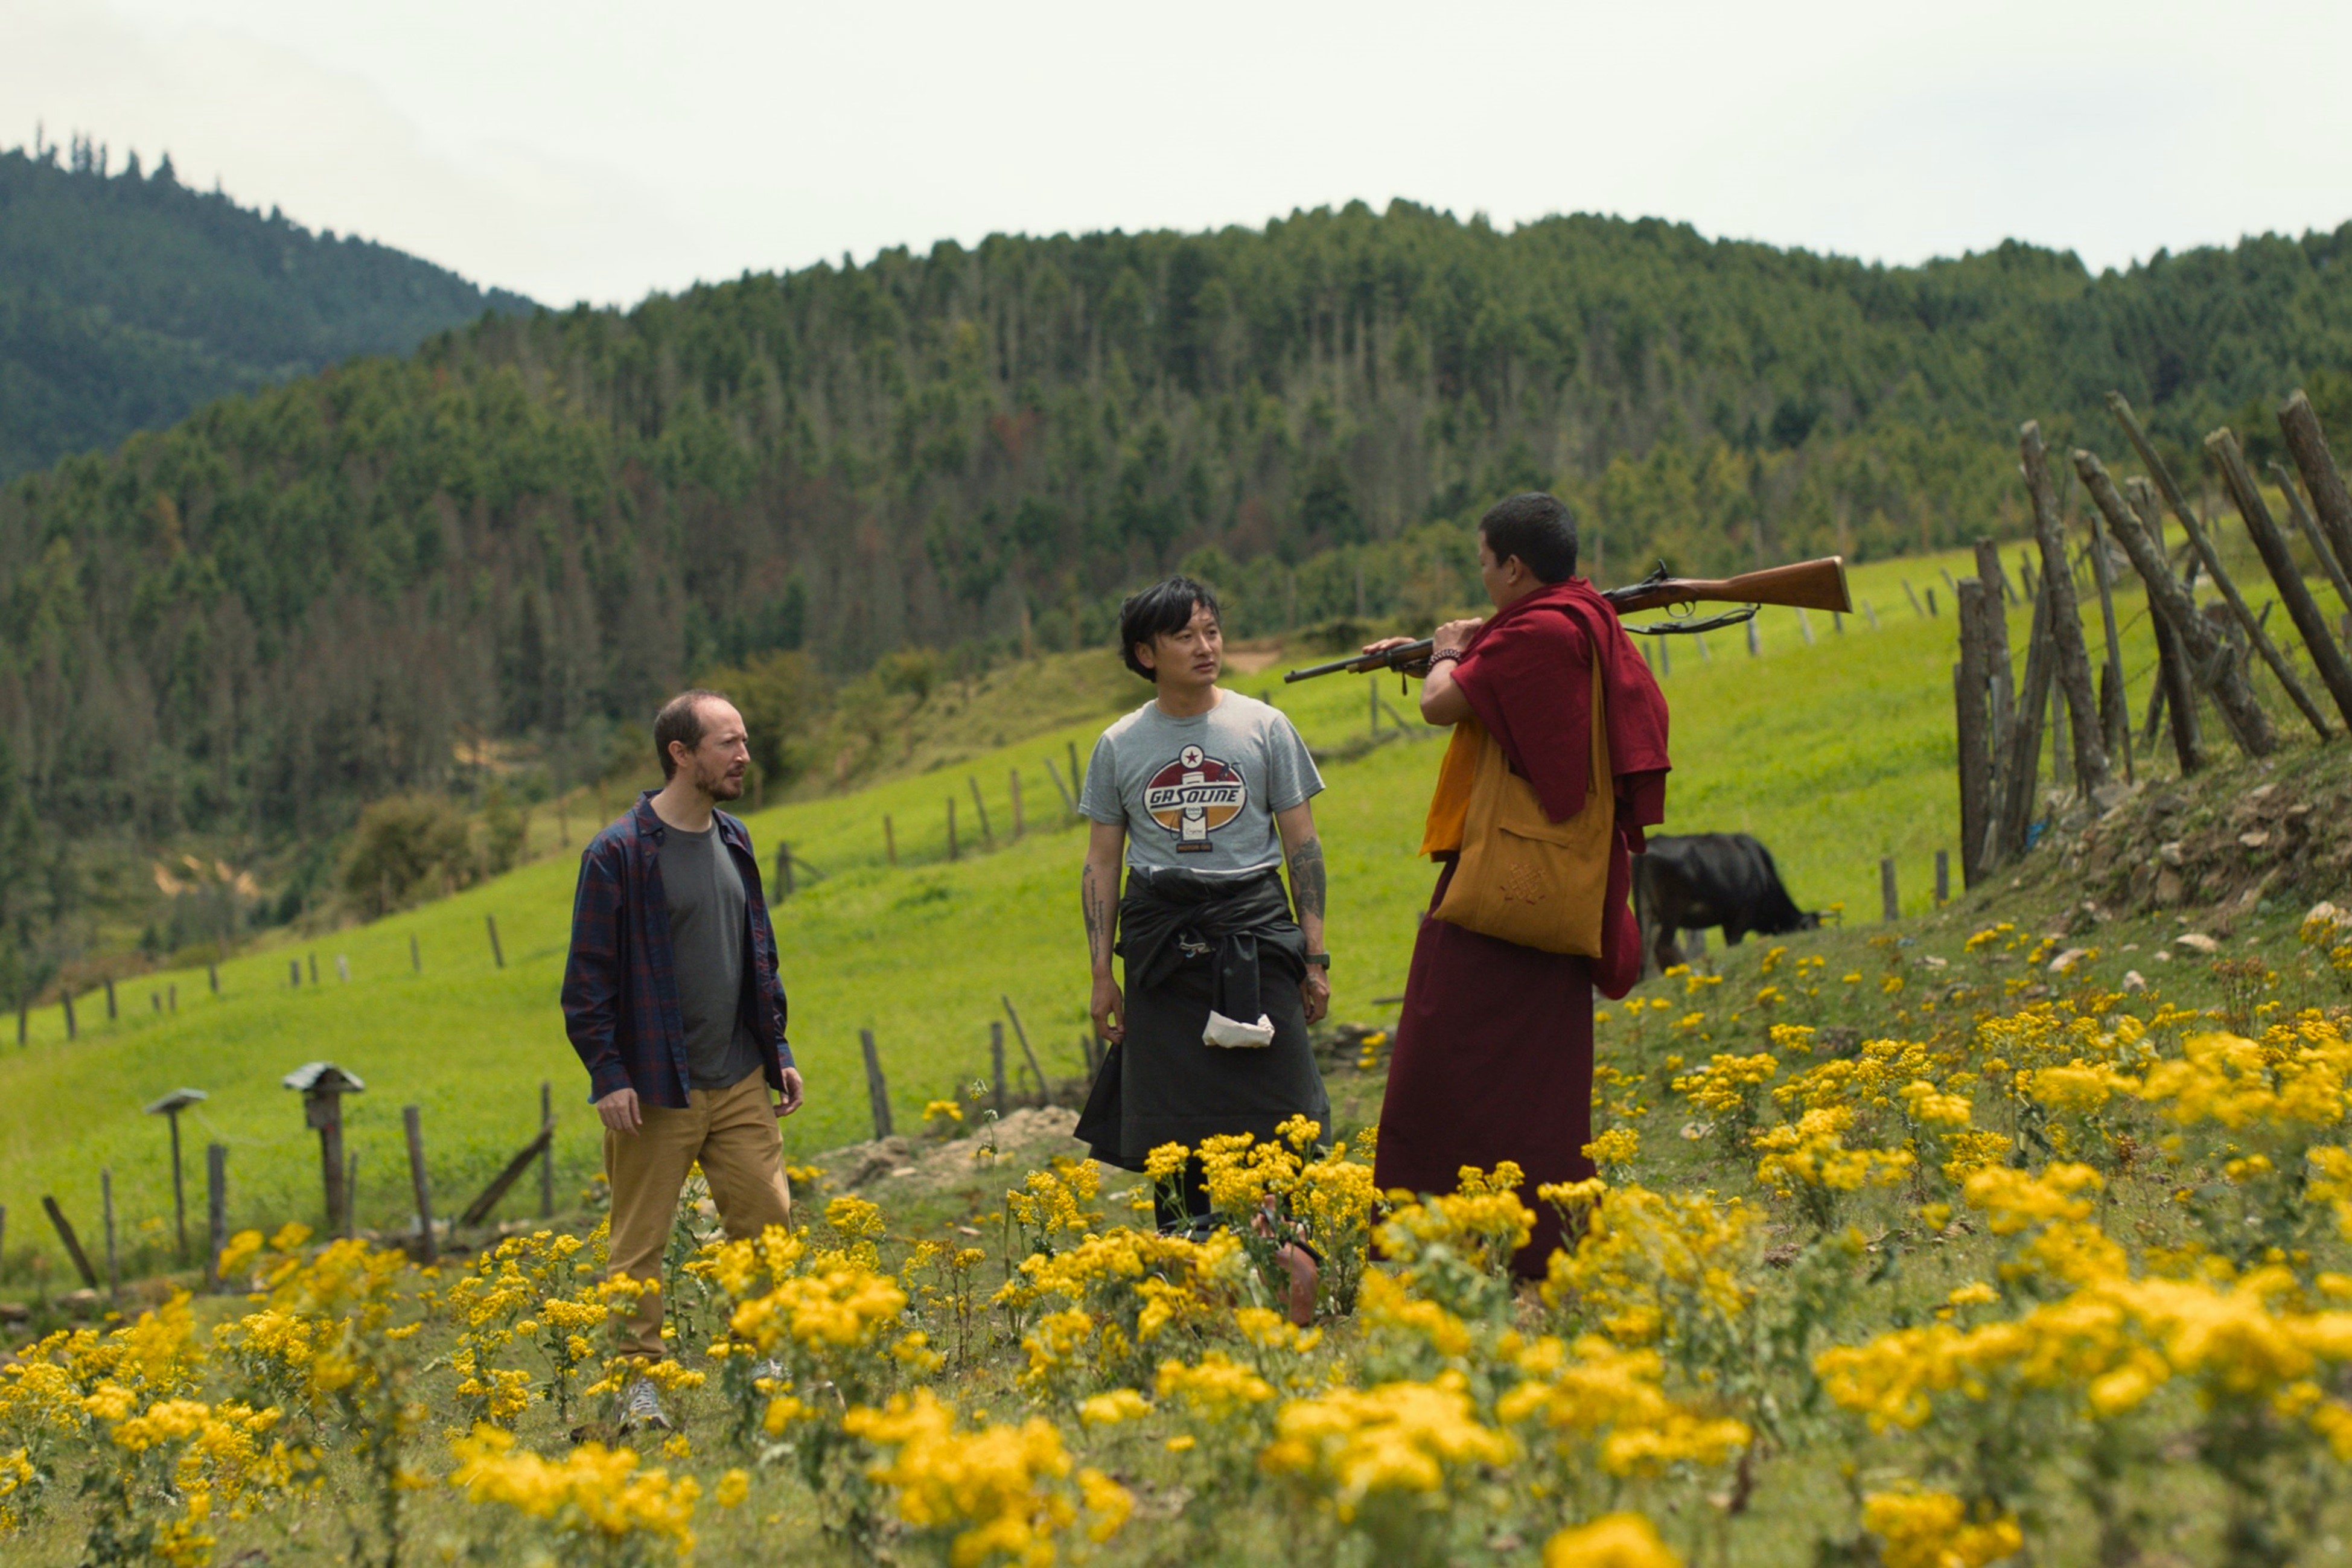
(619, 987)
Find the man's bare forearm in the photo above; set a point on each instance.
(1309, 888)
(1101, 911)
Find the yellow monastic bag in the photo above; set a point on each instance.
(1523, 877)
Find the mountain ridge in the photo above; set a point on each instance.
(129, 300)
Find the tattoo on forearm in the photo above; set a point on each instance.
(1306, 879)
(1097, 924)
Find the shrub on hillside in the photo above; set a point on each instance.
(407, 844)
(782, 695)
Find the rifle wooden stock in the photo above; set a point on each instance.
(1802, 584)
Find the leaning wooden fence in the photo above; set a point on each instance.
(2203, 653)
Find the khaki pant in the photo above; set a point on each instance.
(733, 1133)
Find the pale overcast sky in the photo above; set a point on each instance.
(588, 150)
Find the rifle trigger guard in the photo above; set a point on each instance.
(1681, 624)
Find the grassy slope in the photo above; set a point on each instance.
(1834, 753)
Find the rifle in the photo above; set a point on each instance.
(1803, 584)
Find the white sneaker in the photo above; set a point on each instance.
(641, 1407)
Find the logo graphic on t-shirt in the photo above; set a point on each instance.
(1193, 796)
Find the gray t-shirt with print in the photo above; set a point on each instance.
(1200, 794)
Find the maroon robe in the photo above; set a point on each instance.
(1493, 1048)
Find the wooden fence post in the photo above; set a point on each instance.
(2205, 653)
(2321, 477)
(2175, 683)
(487, 1198)
(1892, 909)
(314, 969)
(952, 831)
(785, 868)
(215, 1210)
(547, 1155)
(415, 957)
(1912, 595)
(877, 1093)
(1078, 779)
(2308, 526)
(1044, 1089)
(980, 809)
(2169, 487)
(2072, 659)
(73, 1242)
(71, 1030)
(2022, 766)
(106, 1212)
(497, 953)
(2002, 692)
(1943, 878)
(426, 1249)
(294, 975)
(111, 1013)
(1069, 801)
(889, 840)
(2115, 728)
(212, 972)
(1754, 648)
(1971, 684)
(1870, 614)
(1013, 780)
(2318, 641)
(996, 1063)
(2058, 747)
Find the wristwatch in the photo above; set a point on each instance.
(1321, 960)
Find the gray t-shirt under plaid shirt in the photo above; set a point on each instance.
(709, 939)
(1200, 794)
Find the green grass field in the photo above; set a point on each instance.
(1835, 752)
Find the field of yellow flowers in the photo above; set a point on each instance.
(1924, 1258)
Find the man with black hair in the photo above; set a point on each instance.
(673, 999)
(1493, 1058)
(1207, 792)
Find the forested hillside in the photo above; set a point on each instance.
(127, 301)
(308, 597)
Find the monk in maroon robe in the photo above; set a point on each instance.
(1493, 1058)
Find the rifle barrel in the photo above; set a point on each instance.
(1365, 663)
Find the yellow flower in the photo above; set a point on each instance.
(1618, 1146)
(1613, 1540)
(242, 1248)
(998, 1490)
(1933, 1530)
(1109, 1409)
(1353, 1444)
(733, 1488)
